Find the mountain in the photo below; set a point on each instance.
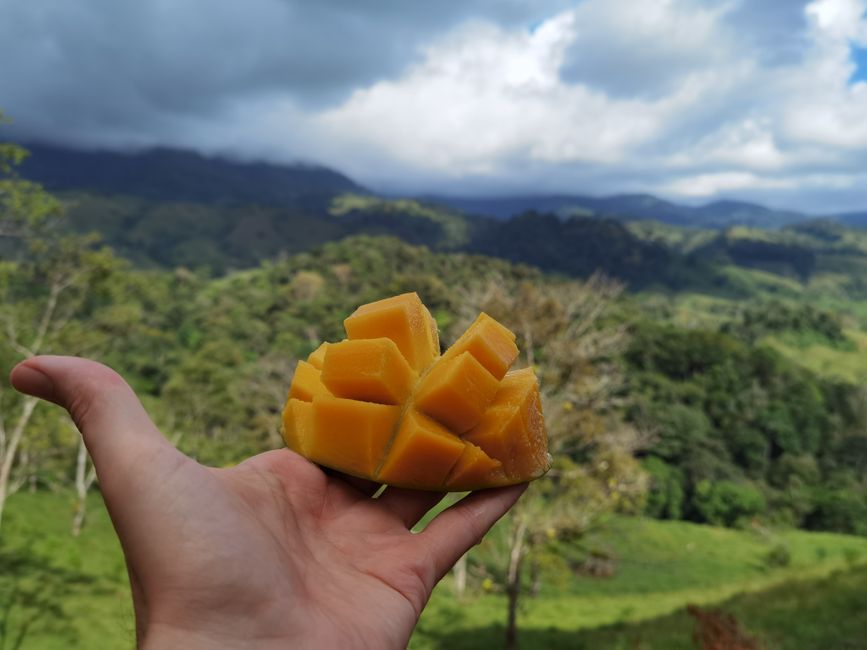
(852, 219)
(169, 208)
(629, 207)
(165, 174)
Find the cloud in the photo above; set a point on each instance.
(689, 98)
(107, 71)
(702, 115)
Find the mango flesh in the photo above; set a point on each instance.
(385, 406)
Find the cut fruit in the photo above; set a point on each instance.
(456, 392)
(473, 470)
(385, 406)
(317, 357)
(509, 430)
(298, 425)
(490, 343)
(307, 383)
(404, 320)
(371, 370)
(349, 435)
(423, 453)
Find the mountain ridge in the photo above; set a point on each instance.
(720, 213)
(171, 174)
(175, 174)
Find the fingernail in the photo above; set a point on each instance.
(31, 381)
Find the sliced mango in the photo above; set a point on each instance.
(349, 435)
(404, 320)
(511, 429)
(317, 357)
(371, 370)
(307, 383)
(490, 343)
(423, 453)
(384, 405)
(474, 469)
(456, 392)
(298, 425)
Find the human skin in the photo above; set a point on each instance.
(271, 553)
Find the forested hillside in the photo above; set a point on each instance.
(220, 297)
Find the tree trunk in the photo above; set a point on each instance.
(83, 480)
(535, 577)
(8, 454)
(461, 576)
(513, 586)
(9, 448)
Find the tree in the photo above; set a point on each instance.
(46, 280)
(563, 332)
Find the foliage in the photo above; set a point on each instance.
(726, 503)
(779, 556)
(807, 322)
(742, 430)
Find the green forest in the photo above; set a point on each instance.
(703, 388)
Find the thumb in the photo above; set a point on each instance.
(116, 429)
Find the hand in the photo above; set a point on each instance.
(271, 553)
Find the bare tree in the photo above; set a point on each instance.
(40, 292)
(85, 476)
(562, 332)
(12, 432)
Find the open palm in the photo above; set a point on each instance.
(272, 552)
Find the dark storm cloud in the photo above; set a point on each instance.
(123, 72)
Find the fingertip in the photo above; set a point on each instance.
(30, 380)
(498, 499)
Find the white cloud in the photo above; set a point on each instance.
(492, 103)
(704, 185)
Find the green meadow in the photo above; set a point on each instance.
(57, 591)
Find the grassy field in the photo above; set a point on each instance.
(61, 592)
(57, 591)
(661, 567)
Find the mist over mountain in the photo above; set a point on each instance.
(169, 174)
(181, 175)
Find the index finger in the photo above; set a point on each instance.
(455, 530)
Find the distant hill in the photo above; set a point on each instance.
(224, 237)
(629, 207)
(852, 219)
(169, 208)
(178, 175)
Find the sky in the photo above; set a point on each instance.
(692, 100)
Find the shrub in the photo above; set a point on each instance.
(725, 503)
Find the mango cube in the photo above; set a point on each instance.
(456, 392)
(298, 425)
(349, 435)
(317, 357)
(307, 383)
(404, 320)
(423, 453)
(472, 469)
(490, 343)
(370, 370)
(510, 428)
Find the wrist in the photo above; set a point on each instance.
(165, 637)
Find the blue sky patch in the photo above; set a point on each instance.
(859, 57)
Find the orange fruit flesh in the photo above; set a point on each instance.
(384, 405)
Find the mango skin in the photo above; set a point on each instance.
(385, 406)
